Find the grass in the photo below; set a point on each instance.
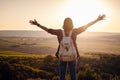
(14, 53)
(11, 53)
(19, 54)
(24, 61)
(90, 56)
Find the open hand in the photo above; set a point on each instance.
(33, 22)
(101, 17)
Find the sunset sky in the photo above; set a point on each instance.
(15, 14)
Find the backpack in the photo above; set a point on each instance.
(67, 51)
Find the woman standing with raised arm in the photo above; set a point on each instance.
(67, 28)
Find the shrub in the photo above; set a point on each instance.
(88, 74)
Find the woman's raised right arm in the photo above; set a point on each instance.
(34, 22)
(99, 18)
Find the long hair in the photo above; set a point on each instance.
(68, 24)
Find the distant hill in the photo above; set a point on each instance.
(42, 42)
(24, 33)
(28, 33)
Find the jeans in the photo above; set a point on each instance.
(63, 68)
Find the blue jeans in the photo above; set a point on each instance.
(63, 68)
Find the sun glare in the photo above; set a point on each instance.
(83, 11)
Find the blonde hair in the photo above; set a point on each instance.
(68, 24)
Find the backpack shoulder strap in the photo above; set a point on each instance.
(70, 34)
(63, 33)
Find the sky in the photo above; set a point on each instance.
(15, 14)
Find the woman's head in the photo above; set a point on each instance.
(68, 24)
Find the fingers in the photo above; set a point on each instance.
(101, 17)
(35, 20)
(31, 21)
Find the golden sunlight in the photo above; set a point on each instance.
(83, 11)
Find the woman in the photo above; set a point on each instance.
(67, 27)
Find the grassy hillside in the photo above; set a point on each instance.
(21, 66)
(32, 58)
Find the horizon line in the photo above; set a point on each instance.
(45, 31)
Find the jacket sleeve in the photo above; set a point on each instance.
(54, 31)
